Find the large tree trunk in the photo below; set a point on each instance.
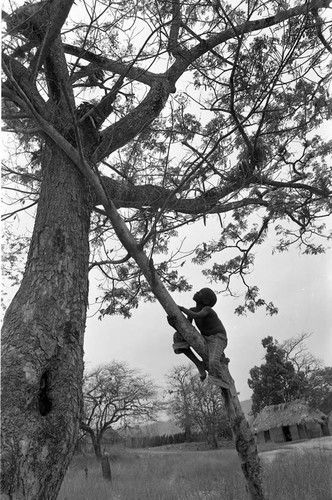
(42, 339)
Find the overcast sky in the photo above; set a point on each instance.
(299, 285)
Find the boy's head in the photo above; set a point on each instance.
(206, 296)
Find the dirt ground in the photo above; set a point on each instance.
(324, 443)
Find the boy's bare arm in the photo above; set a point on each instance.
(195, 314)
(172, 319)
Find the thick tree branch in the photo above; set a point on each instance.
(325, 193)
(173, 45)
(101, 62)
(58, 13)
(119, 134)
(127, 195)
(15, 73)
(103, 108)
(152, 196)
(41, 24)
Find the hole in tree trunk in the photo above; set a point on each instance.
(44, 401)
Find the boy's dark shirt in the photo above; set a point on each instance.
(209, 324)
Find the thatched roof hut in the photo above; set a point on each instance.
(289, 421)
(293, 413)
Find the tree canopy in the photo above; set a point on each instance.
(193, 111)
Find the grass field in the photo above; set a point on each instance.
(159, 474)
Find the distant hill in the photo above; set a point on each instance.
(159, 428)
(169, 427)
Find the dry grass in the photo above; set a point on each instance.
(300, 475)
(157, 475)
(196, 475)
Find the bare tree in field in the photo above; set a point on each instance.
(115, 395)
(135, 119)
(181, 404)
(196, 407)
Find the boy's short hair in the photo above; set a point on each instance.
(209, 297)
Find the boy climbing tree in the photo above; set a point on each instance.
(213, 332)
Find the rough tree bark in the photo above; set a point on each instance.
(43, 329)
(42, 339)
(244, 441)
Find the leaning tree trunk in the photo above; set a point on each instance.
(244, 439)
(42, 339)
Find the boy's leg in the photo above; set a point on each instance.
(216, 345)
(180, 346)
(200, 365)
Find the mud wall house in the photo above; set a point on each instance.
(329, 421)
(289, 422)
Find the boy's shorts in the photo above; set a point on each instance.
(215, 345)
(180, 343)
